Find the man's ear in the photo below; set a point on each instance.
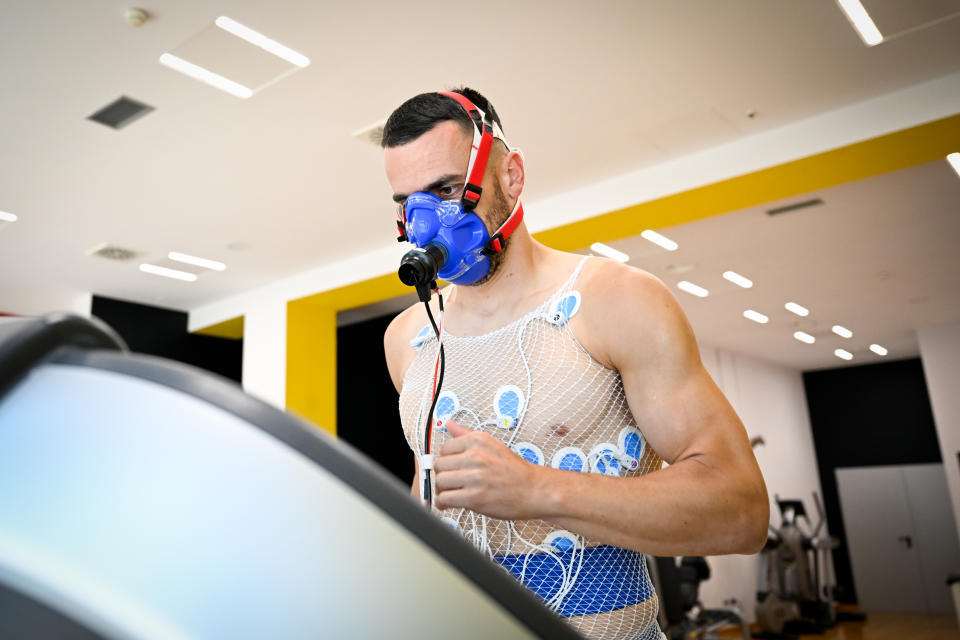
(512, 173)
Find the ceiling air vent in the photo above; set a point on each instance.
(113, 252)
(795, 206)
(120, 112)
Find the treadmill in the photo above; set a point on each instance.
(142, 498)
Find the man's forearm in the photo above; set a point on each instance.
(686, 509)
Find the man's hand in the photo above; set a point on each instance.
(476, 471)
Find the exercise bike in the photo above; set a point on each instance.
(682, 616)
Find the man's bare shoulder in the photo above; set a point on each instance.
(613, 289)
(603, 274)
(396, 341)
(626, 309)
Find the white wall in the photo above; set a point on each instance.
(31, 302)
(265, 352)
(940, 354)
(771, 401)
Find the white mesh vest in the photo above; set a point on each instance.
(532, 385)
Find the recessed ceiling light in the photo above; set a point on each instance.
(609, 252)
(843, 332)
(861, 21)
(804, 337)
(262, 41)
(793, 307)
(199, 262)
(689, 287)
(204, 75)
(738, 279)
(845, 355)
(659, 240)
(954, 160)
(7, 217)
(756, 316)
(877, 349)
(168, 273)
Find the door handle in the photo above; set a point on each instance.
(907, 541)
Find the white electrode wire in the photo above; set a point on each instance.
(486, 539)
(567, 576)
(526, 367)
(469, 412)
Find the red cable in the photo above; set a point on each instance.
(436, 371)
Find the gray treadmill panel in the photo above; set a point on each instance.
(144, 512)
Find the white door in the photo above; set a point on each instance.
(901, 536)
(880, 539)
(937, 544)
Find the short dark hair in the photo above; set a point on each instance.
(423, 112)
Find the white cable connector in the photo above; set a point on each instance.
(426, 463)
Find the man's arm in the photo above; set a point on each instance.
(711, 499)
(396, 349)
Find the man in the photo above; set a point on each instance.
(568, 382)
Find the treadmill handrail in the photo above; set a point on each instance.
(27, 342)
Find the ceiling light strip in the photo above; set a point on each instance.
(804, 337)
(877, 349)
(738, 279)
(610, 252)
(954, 160)
(843, 354)
(168, 273)
(861, 21)
(206, 76)
(691, 288)
(7, 217)
(842, 331)
(659, 240)
(756, 316)
(198, 262)
(793, 307)
(258, 39)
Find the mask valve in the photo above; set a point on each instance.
(419, 268)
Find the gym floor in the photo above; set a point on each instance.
(887, 626)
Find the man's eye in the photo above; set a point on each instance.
(447, 191)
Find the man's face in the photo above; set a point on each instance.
(436, 163)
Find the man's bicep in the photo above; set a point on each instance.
(680, 416)
(675, 402)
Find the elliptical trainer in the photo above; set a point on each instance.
(794, 593)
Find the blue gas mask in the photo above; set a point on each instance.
(442, 229)
(452, 243)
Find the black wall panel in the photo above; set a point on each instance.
(163, 332)
(368, 415)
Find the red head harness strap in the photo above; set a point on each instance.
(483, 134)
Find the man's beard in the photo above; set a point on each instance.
(499, 213)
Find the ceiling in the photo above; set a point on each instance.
(275, 184)
(878, 257)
